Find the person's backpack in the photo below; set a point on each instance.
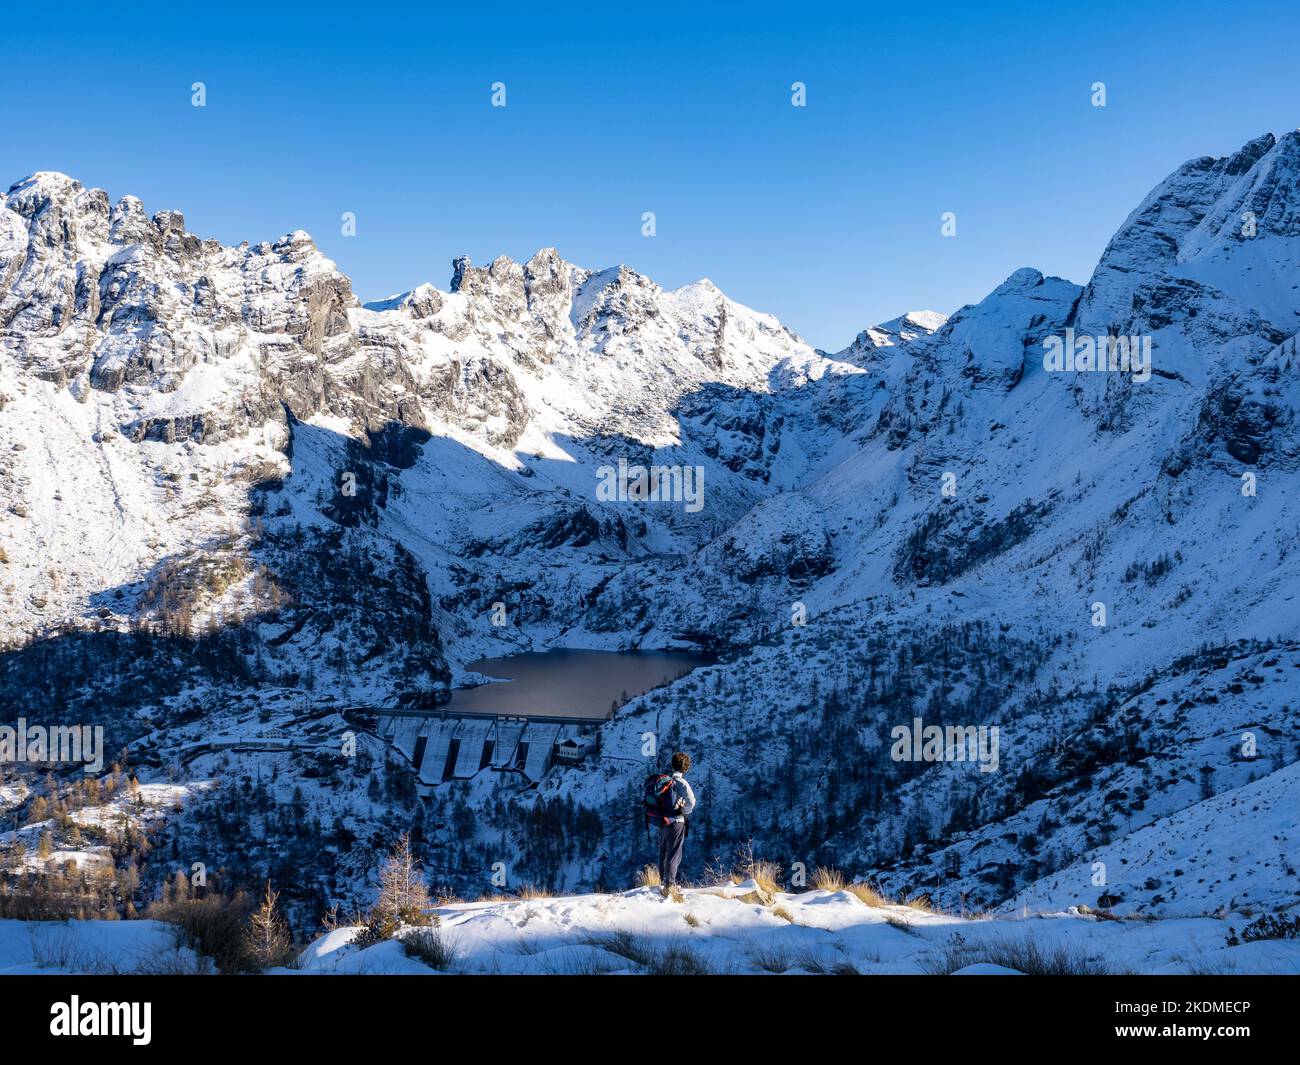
(657, 800)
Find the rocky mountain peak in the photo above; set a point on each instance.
(1248, 155)
(503, 273)
(897, 333)
(41, 188)
(1205, 264)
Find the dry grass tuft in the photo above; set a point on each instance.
(1024, 955)
(766, 875)
(865, 893)
(625, 945)
(678, 960)
(771, 959)
(900, 923)
(674, 958)
(431, 947)
(212, 925)
(811, 961)
(758, 897)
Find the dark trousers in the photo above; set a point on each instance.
(672, 839)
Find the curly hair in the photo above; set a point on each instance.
(681, 762)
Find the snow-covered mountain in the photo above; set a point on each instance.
(232, 496)
(896, 333)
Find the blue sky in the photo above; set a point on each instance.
(827, 216)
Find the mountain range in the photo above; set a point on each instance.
(233, 497)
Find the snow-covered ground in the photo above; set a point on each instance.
(95, 947)
(233, 501)
(738, 930)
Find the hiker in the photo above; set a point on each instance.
(669, 801)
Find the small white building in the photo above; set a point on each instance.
(572, 750)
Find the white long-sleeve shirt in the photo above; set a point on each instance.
(683, 796)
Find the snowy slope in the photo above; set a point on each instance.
(224, 481)
(730, 930)
(106, 948)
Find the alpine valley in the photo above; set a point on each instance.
(237, 504)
